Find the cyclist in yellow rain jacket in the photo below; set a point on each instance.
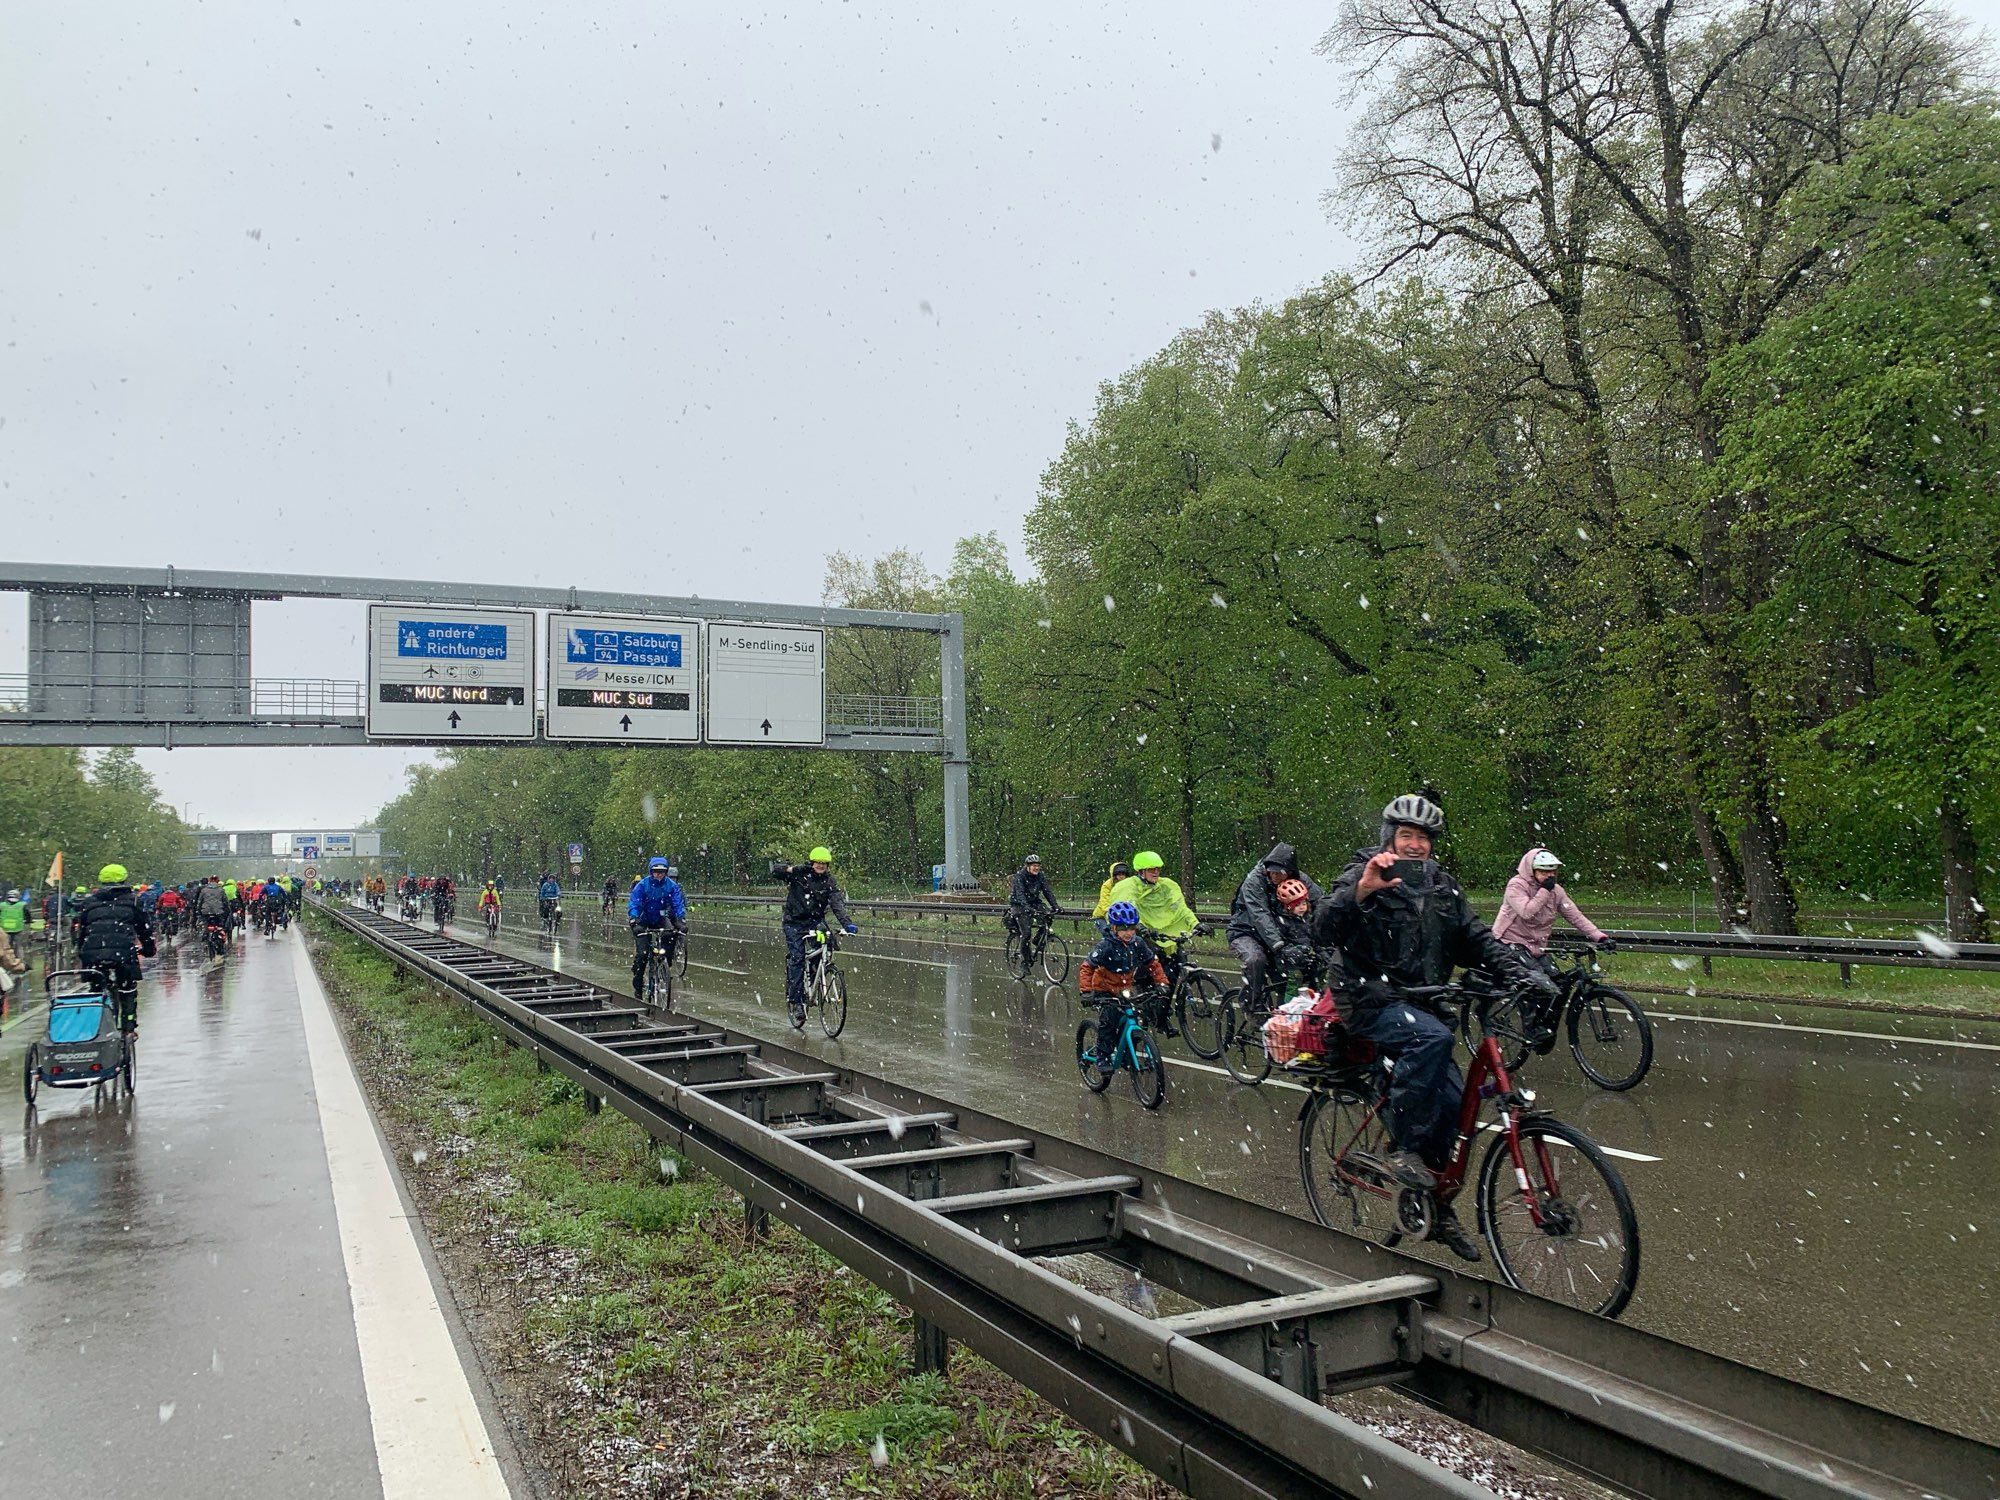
(1164, 914)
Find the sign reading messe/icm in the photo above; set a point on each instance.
(450, 674)
(766, 685)
(625, 681)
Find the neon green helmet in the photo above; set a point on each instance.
(821, 855)
(112, 875)
(1146, 859)
(82, 890)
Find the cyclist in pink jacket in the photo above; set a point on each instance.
(1533, 901)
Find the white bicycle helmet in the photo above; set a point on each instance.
(1414, 810)
(1545, 860)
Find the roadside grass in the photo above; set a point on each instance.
(644, 1345)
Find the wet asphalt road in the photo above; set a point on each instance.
(1819, 1205)
(172, 1293)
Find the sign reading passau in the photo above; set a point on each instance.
(622, 680)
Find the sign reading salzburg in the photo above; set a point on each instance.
(623, 680)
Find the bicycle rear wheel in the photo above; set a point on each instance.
(1096, 1073)
(1243, 1051)
(1149, 1074)
(1343, 1140)
(832, 1002)
(1584, 1251)
(1610, 1037)
(1200, 1004)
(1055, 960)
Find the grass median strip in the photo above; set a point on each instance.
(639, 1344)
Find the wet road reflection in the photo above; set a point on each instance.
(171, 1282)
(1818, 1205)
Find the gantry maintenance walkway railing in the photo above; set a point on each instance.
(956, 1213)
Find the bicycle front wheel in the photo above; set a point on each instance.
(1506, 1023)
(681, 957)
(1055, 959)
(1096, 1071)
(1201, 1003)
(832, 1002)
(1568, 1231)
(1610, 1038)
(1243, 1051)
(1019, 958)
(1343, 1141)
(1149, 1074)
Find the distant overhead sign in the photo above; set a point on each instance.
(623, 680)
(211, 845)
(766, 685)
(337, 845)
(450, 674)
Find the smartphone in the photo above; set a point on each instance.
(1410, 872)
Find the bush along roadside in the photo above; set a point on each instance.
(638, 1342)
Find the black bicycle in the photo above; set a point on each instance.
(1609, 1036)
(551, 922)
(1032, 942)
(1195, 997)
(657, 988)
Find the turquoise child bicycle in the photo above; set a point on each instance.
(1134, 1051)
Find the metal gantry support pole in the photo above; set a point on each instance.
(957, 766)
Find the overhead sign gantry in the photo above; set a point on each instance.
(161, 657)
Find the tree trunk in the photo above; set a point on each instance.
(1772, 904)
(1184, 820)
(1725, 876)
(1965, 919)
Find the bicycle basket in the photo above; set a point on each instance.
(1309, 1030)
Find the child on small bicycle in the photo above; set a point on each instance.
(1122, 961)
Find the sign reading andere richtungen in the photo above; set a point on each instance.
(451, 674)
(766, 685)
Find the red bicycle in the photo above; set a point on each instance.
(1552, 1209)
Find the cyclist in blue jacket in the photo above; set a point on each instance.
(655, 903)
(547, 894)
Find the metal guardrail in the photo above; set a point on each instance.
(876, 713)
(1708, 945)
(952, 1212)
(318, 700)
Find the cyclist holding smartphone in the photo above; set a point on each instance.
(1398, 919)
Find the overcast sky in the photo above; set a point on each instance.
(619, 296)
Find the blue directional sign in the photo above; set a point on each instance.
(451, 640)
(622, 648)
(623, 680)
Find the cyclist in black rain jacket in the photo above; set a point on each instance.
(813, 893)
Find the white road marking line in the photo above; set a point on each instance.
(430, 1440)
(928, 963)
(695, 963)
(1299, 1088)
(1866, 1036)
